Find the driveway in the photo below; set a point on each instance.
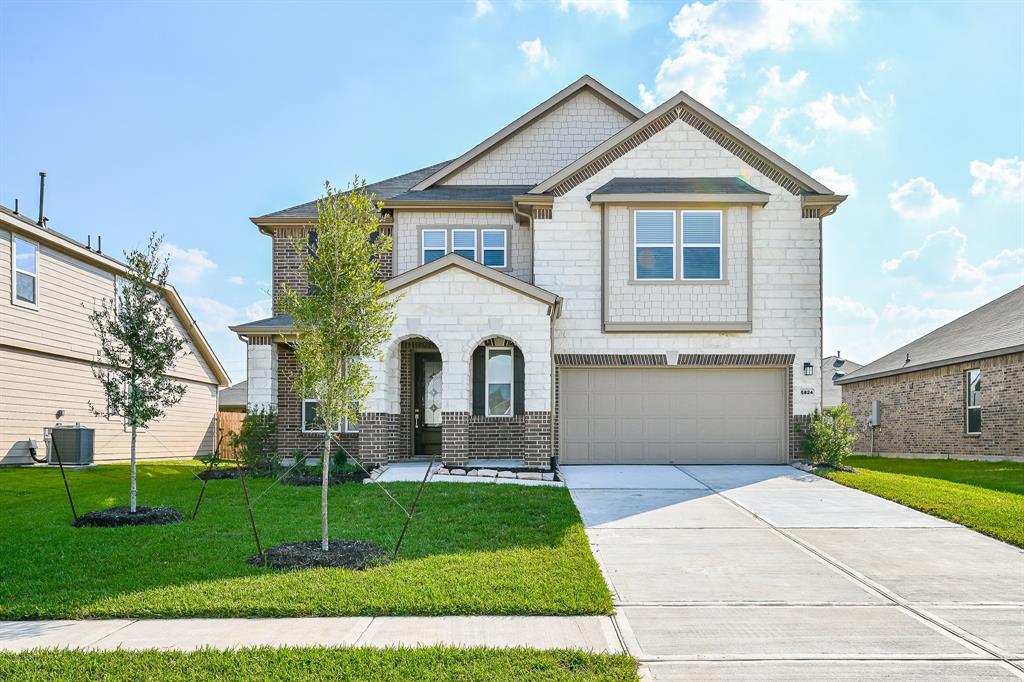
(770, 573)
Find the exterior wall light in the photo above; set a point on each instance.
(808, 368)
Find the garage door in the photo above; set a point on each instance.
(672, 416)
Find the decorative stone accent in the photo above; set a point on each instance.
(506, 474)
(529, 475)
(441, 471)
(458, 472)
(486, 473)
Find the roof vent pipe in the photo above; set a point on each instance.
(42, 190)
(15, 207)
(99, 243)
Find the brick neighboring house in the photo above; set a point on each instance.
(592, 283)
(957, 392)
(834, 368)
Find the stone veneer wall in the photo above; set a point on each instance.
(923, 411)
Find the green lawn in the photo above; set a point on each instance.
(432, 663)
(985, 496)
(472, 549)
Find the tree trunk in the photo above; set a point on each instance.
(325, 465)
(133, 494)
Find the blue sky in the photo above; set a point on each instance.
(187, 118)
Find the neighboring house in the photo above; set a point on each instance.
(49, 285)
(956, 392)
(592, 283)
(234, 398)
(833, 368)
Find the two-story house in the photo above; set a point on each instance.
(49, 286)
(591, 283)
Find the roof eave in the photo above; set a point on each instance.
(453, 260)
(854, 378)
(678, 198)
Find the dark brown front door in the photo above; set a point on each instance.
(427, 404)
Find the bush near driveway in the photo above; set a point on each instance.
(985, 496)
(424, 665)
(472, 549)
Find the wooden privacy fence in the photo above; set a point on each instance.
(228, 422)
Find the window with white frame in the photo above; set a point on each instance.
(464, 243)
(972, 400)
(702, 245)
(654, 240)
(26, 272)
(434, 244)
(311, 422)
(495, 248)
(499, 382)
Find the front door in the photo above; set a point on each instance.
(427, 404)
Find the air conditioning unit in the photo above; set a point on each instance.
(74, 443)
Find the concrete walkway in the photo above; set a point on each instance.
(725, 572)
(592, 633)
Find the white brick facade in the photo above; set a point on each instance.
(458, 310)
(261, 370)
(548, 145)
(786, 302)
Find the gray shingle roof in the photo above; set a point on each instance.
(995, 328)
(676, 186)
(236, 395)
(384, 189)
(461, 193)
(279, 320)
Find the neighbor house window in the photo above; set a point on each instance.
(311, 422)
(702, 244)
(495, 248)
(973, 401)
(464, 243)
(499, 382)
(26, 264)
(435, 244)
(654, 240)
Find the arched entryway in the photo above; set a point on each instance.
(421, 397)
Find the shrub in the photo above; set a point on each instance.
(256, 440)
(830, 436)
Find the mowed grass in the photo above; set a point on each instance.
(424, 665)
(471, 549)
(985, 496)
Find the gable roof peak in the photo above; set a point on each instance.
(539, 111)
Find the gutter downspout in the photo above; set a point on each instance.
(529, 221)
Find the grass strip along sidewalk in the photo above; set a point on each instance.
(985, 496)
(472, 549)
(425, 664)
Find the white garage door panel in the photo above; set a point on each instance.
(669, 415)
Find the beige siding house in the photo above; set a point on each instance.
(590, 284)
(49, 285)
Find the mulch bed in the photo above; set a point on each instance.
(355, 554)
(841, 467)
(121, 516)
(218, 474)
(313, 478)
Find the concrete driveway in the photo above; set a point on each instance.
(770, 573)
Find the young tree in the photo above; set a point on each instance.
(344, 316)
(138, 346)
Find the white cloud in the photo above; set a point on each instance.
(620, 8)
(849, 309)
(825, 116)
(482, 7)
(747, 117)
(939, 261)
(715, 37)
(187, 265)
(1007, 261)
(1006, 175)
(919, 199)
(236, 279)
(536, 53)
(777, 86)
(908, 312)
(258, 310)
(835, 181)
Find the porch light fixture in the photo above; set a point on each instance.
(808, 368)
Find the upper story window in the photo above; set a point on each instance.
(495, 248)
(434, 245)
(658, 244)
(972, 399)
(485, 245)
(25, 262)
(464, 243)
(654, 239)
(702, 244)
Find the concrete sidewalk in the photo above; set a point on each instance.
(591, 633)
